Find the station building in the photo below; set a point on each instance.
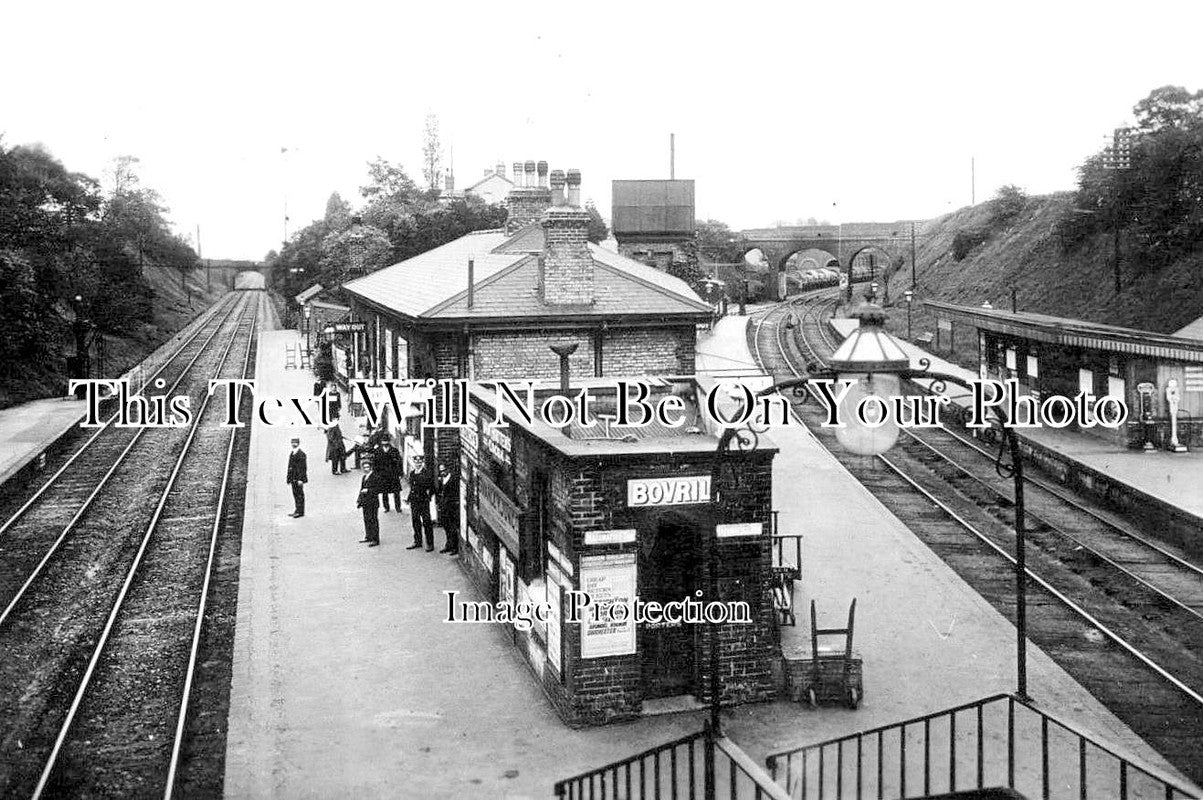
(618, 513)
(490, 304)
(612, 512)
(1055, 355)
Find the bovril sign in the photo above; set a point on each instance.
(680, 491)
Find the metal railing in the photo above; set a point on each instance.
(703, 765)
(999, 741)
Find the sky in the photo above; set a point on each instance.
(243, 113)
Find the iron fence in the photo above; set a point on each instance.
(999, 741)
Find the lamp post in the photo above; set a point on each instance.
(909, 294)
(875, 363)
(80, 329)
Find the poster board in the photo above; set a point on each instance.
(608, 579)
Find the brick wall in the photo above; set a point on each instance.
(566, 267)
(660, 253)
(526, 205)
(649, 351)
(591, 495)
(625, 352)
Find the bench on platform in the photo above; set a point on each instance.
(927, 337)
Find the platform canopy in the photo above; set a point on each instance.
(1073, 332)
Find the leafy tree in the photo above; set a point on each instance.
(717, 242)
(356, 251)
(432, 153)
(1007, 204)
(597, 226)
(1158, 200)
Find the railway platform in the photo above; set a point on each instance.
(30, 429)
(1174, 479)
(347, 682)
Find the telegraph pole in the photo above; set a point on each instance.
(912, 255)
(1117, 157)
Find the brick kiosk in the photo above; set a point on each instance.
(616, 512)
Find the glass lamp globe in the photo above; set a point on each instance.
(871, 359)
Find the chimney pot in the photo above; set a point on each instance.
(557, 187)
(517, 173)
(501, 169)
(574, 187)
(542, 169)
(531, 180)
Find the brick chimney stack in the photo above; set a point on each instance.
(566, 266)
(530, 196)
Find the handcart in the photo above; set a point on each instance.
(832, 674)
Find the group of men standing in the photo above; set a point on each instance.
(382, 481)
(382, 478)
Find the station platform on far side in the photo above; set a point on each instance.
(30, 429)
(1172, 478)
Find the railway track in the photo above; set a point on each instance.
(104, 627)
(1118, 610)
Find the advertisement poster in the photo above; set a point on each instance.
(608, 580)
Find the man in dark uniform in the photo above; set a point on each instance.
(298, 476)
(369, 504)
(421, 489)
(388, 470)
(336, 451)
(448, 505)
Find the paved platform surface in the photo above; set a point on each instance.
(28, 429)
(346, 682)
(1173, 478)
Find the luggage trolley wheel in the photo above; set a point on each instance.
(853, 697)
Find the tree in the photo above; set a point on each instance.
(1007, 204)
(1157, 202)
(338, 212)
(718, 243)
(353, 252)
(432, 153)
(597, 226)
(1168, 107)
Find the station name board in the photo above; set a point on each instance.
(680, 491)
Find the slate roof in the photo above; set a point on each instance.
(434, 285)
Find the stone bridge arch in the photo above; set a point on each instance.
(843, 241)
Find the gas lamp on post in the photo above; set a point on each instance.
(875, 363)
(909, 294)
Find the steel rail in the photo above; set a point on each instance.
(1050, 526)
(1085, 615)
(204, 593)
(108, 423)
(103, 483)
(85, 682)
(1068, 499)
(1048, 587)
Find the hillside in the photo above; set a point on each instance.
(1026, 255)
(174, 307)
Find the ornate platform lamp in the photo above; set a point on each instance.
(876, 363)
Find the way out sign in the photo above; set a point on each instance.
(680, 491)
